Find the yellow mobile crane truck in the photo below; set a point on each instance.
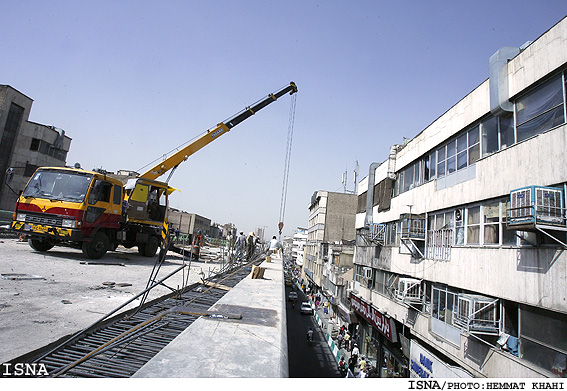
(96, 211)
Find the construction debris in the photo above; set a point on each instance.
(19, 276)
(113, 284)
(258, 272)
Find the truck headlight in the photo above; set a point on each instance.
(21, 217)
(68, 223)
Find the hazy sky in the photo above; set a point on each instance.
(129, 81)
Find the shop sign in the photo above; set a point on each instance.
(346, 315)
(384, 324)
(425, 364)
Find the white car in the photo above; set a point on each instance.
(306, 308)
(292, 295)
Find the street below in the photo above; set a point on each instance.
(306, 360)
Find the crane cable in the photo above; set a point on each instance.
(287, 161)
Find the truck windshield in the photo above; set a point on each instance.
(57, 185)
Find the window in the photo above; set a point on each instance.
(462, 147)
(473, 225)
(459, 228)
(117, 197)
(391, 235)
(474, 145)
(540, 110)
(441, 157)
(485, 225)
(491, 212)
(45, 148)
(380, 282)
(410, 177)
(430, 165)
(444, 304)
(8, 137)
(34, 144)
(451, 159)
(507, 136)
(100, 192)
(361, 207)
(542, 338)
(489, 136)
(497, 133)
(440, 236)
(458, 153)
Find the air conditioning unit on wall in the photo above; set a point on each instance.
(367, 273)
(538, 205)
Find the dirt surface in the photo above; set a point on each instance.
(46, 296)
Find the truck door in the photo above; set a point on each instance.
(99, 203)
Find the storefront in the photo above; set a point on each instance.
(379, 342)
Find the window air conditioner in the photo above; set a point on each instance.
(536, 204)
(368, 273)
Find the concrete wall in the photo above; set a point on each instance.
(340, 218)
(252, 347)
(542, 57)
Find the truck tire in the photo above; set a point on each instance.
(97, 247)
(40, 245)
(149, 248)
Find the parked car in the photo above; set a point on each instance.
(292, 295)
(306, 308)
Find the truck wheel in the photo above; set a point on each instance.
(97, 247)
(40, 245)
(149, 248)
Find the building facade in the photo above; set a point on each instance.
(25, 145)
(189, 223)
(460, 265)
(298, 245)
(329, 250)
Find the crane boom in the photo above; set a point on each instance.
(212, 134)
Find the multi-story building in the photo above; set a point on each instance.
(189, 223)
(25, 145)
(329, 249)
(299, 241)
(460, 265)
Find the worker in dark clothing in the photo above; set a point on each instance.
(250, 245)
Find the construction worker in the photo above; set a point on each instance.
(240, 245)
(250, 245)
(275, 245)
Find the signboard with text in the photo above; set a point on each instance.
(424, 364)
(384, 324)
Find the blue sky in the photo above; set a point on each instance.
(130, 80)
